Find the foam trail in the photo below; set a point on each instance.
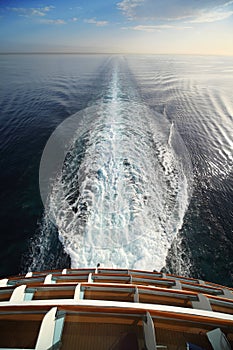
(170, 134)
(122, 193)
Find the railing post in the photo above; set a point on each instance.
(227, 293)
(136, 295)
(202, 303)
(177, 285)
(90, 278)
(18, 294)
(78, 294)
(149, 332)
(28, 274)
(47, 328)
(48, 279)
(3, 282)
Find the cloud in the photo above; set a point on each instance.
(97, 23)
(154, 28)
(74, 19)
(53, 21)
(227, 3)
(195, 11)
(32, 11)
(128, 7)
(212, 17)
(218, 13)
(154, 9)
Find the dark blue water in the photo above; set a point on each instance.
(152, 158)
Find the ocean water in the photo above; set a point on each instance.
(120, 160)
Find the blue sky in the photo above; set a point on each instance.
(137, 26)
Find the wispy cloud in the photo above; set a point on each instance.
(97, 23)
(212, 17)
(74, 19)
(228, 3)
(53, 21)
(176, 10)
(128, 7)
(218, 13)
(32, 11)
(151, 28)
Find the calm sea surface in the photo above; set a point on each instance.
(146, 178)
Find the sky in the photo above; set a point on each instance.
(117, 26)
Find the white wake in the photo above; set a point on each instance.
(123, 189)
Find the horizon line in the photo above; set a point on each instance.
(107, 53)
